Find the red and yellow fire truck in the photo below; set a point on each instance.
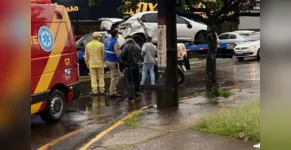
(54, 65)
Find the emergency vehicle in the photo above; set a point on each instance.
(54, 64)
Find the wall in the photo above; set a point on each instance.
(251, 23)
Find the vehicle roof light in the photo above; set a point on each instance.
(40, 1)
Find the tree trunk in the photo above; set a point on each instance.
(211, 84)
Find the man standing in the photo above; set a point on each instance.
(131, 58)
(94, 58)
(149, 51)
(112, 53)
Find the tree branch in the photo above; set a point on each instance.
(207, 10)
(226, 7)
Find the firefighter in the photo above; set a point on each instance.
(112, 53)
(94, 58)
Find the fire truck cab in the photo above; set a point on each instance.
(54, 64)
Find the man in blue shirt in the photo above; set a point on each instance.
(112, 53)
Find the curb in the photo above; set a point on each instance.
(103, 133)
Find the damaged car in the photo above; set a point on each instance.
(145, 24)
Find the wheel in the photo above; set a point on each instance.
(139, 39)
(240, 58)
(181, 77)
(258, 55)
(201, 37)
(54, 108)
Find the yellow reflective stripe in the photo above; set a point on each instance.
(96, 66)
(101, 85)
(35, 108)
(94, 85)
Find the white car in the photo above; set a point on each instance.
(233, 37)
(144, 24)
(250, 47)
(245, 32)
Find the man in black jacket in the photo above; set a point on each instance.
(131, 58)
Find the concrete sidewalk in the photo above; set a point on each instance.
(170, 129)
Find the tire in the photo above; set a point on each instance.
(139, 39)
(240, 58)
(200, 37)
(55, 107)
(258, 55)
(181, 77)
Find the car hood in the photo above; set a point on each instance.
(247, 44)
(133, 26)
(108, 22)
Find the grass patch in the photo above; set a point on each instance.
(242, 122)
(225, 93)
(132, 121)
(210, 95)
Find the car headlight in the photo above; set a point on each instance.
(252, 47)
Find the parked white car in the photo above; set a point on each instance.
(250, 47)
(233, 37)
(244, 32)
(144, 24)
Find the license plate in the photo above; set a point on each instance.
(239, 52)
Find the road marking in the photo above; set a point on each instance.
(99, 136)
(54, 142)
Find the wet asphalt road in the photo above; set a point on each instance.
(89, 110)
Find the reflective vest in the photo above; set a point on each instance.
(110, 54)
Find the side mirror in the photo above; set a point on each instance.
(189, 26)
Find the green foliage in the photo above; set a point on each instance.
(132, 121)
(242, 122)
(93, 2)
(210, 95)
(128, 4)
(225, 93)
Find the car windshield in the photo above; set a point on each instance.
(254, 37)
(79, 42)
(88, 38)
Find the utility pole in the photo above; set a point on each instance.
(167, 55)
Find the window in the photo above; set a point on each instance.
(223, 36)
(151, 18)
(232, 36)
(180, 20)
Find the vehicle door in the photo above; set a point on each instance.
(151, 20)
(223, 37)
(183, 32)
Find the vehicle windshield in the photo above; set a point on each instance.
(254, 37)
(88, 38)
(79, 42)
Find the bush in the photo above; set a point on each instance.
(225, 93)
(234, 122)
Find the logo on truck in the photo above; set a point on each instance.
(46, 39)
